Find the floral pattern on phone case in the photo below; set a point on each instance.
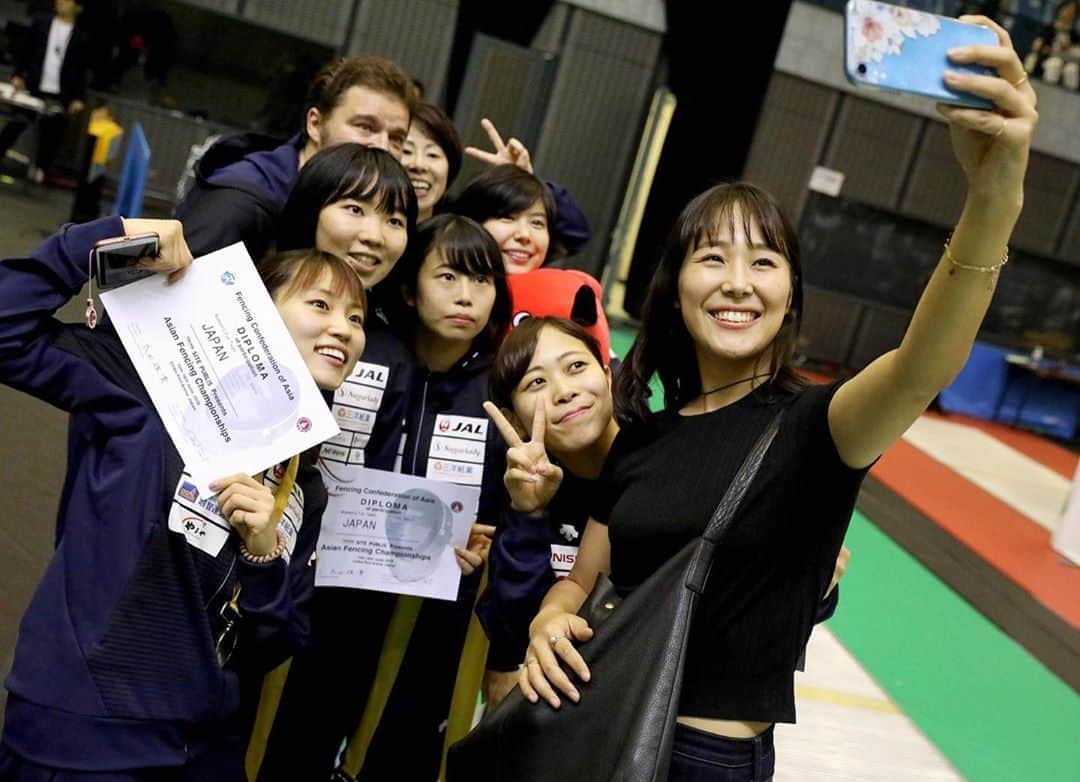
(902, 49)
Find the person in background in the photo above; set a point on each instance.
(433, 156)
(519, 210)
(53, 66)
(243, 181)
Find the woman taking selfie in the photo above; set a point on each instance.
(719, 326)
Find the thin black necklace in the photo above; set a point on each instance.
(737, 382)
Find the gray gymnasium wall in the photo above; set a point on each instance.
(601, 71)
(895, 155)
(598, 102)
(900, 163)
(894, 150)
(417, 34)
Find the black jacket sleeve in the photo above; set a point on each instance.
(215, 217)
(571, 224)
(520, 575)
(31, 49)
(275, 598)
(74, 72)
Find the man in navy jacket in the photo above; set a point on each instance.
(243, 181)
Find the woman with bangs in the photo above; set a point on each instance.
(719, 324)
(452, 307)
(453, 287)
(142, 652)
(518, 210)
(355, 202)
(433, 154)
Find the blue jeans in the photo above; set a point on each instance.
(698, 756)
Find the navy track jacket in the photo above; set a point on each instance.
(115, 665)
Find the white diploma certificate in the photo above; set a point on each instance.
(391, 532)
(220, 366)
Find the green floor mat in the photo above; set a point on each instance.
(993, 710)
(989, 706)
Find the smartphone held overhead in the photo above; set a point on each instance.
(899, 49)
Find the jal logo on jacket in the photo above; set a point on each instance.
(458, 448)
(370, 374)
(462, 426)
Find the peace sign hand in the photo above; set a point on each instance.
(531, 479)
(512, 152)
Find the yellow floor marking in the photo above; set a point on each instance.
(867, 702)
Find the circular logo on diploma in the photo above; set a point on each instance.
(248, 407)
(418, 528)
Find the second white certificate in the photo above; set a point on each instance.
(394, 533)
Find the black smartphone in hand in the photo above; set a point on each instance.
(115, 259)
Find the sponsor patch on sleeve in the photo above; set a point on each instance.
(457, 450)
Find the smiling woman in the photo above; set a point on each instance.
(195, 595)
(323, 305)
(517, 209)
(432, 156)
(718, 326)
(734, 288)
(450, 305)
(353, 202)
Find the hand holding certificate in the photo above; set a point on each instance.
(220, 366)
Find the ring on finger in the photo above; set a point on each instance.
(1001, 129)
(555, 639)
(1019, 81)
(531, 660)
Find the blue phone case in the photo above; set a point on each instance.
(896, 48)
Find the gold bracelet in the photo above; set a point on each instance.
(986, 269)
(262, 559)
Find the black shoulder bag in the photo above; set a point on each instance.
(622, 728)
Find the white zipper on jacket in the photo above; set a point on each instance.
(423, 410)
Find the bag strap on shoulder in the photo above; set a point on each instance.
(729, 504)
